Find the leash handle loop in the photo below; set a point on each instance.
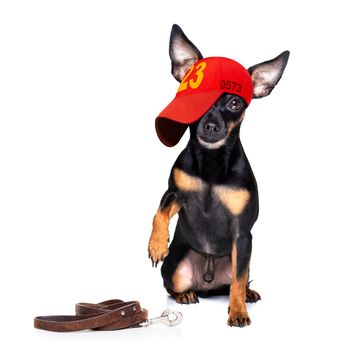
(111, 314)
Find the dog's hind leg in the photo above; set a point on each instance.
(188, 297)
(182, 283)
(177, 273)
(251, 295)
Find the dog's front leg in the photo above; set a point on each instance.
(241, 251)
(158, 242)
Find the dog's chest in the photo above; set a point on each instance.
(208, 217)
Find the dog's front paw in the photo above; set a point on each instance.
(157, 251)
(238, 318)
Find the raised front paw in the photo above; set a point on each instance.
(238, 318)
(157, 251)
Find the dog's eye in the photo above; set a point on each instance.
(234, 105)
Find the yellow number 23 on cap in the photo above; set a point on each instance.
(195, 81)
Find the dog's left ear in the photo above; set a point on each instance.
(266, 75)
(183, 53)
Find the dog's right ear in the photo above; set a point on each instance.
(266, 75)
(183, 53)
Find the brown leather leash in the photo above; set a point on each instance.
(108, 315)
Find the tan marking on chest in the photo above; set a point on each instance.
(186, 182)
(234, 199)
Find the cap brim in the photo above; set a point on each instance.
(173, 121)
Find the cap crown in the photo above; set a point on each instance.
(217, 74)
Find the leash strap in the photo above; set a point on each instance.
(108, 315)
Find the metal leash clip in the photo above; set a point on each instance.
(168, 317)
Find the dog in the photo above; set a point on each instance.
(212, 187)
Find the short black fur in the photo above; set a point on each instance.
(204, 224)
(214, 161)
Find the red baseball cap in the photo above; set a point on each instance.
(202, 85)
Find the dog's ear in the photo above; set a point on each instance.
(183, 53)
(266, 75)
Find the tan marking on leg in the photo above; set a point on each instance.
(235, 200)
(238, 315)
(186, 182)
(182, 277)
(158, 243)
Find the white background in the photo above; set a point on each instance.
(82, 171)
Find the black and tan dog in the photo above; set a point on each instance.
(214, 192)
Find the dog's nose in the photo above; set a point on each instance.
(211, 128)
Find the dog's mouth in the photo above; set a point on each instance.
(211, 133)
(210, 142)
